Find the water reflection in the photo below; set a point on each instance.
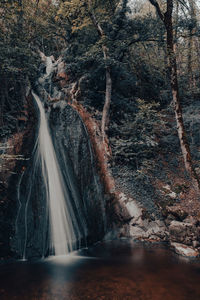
(118, 270)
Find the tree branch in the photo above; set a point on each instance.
(158, 9)
(183, 3)
(125, 49)
(93, 18)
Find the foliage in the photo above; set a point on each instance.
(25, 28)
(136, 139)
(137, 58)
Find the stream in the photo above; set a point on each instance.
(113, 270)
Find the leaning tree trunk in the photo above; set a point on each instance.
(185, 148)
(192, 30)
(189, 63)
(106, 108)
(179, 121)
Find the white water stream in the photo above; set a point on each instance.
(63, 236)
(64, 226)
(64, 232)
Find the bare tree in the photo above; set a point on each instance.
(106, 108)
(166, 18)
(122, 4)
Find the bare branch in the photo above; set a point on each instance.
(93, 18)
(158, 9)
(183, 2)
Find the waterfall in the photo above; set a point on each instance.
(59, 211)
(63, 225)
(49, 65)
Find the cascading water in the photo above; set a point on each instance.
(60, 198)
(62, 223)
(64, 228)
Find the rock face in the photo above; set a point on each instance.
(74, 151)
(139, 203)
(75, 157)
(12, 167)
(183, 232)
(142, 225)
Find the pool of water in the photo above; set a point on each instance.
(117, 270)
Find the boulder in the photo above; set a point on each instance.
(184, 250)
(178, 213)
(183, 232)
(145, 229)
(137, 232)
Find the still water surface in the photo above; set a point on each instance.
(117, 270)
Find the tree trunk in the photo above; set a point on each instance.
(192, 30)
(2, 96)
(189, 66)
(106, 108)
(185, 148)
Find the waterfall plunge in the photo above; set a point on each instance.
(63, 225)
(57, 213)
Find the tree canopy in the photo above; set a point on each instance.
(133, 35)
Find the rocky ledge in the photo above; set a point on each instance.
(184, 250)
(142, 225)
(184, 236)
(177, 227)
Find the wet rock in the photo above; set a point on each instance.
(138, 232)
(143, 225)
(176, 212)
(145, 229)
(18, 153)
(183, 232)
(184, 250)
(131, 205)
(80, 176)
(75, 154)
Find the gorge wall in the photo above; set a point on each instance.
(26, 204)
(141, 201)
